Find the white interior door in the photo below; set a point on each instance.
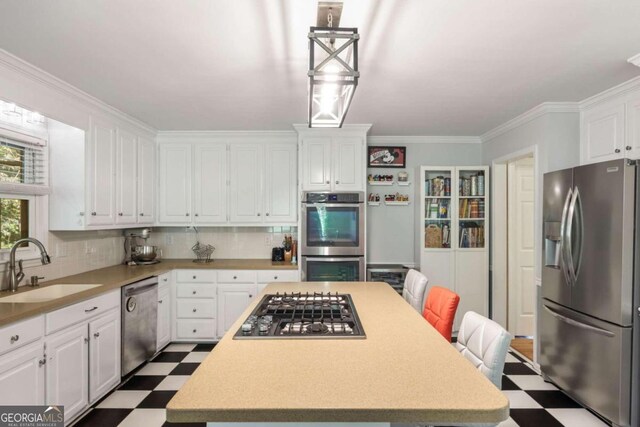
(521, 289)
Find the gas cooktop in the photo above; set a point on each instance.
(303, 315)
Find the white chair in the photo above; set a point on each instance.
(414, 291)
(485, 344)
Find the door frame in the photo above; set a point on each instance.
(499, 234)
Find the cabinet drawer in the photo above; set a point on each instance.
(75, 313)
(195, 290)
(201, 329)
(237, 276)
(196, 276)
(21, 333)
(196, 308)
(269, 276)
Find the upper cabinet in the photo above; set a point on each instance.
(611, 130)
(228, 183)
(333, 160)
(110, 185)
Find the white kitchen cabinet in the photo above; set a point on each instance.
(210, 183)
(603, 133)
(104, 354)
(245, 189)
(101, 173)
(126, 164)
(22, 376)
(67, 369)
(280, 183)
(146, 181)
(164, 311)
(233, 299)
(194, 306)
(175, 183)
(316, 164)
(632, 144)
(333, 160)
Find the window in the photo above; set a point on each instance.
(14, 220)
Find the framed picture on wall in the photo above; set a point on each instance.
(387, 157)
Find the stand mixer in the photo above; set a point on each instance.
(136, 253)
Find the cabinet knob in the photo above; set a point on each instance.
(194, 292)
(337, 182)
(86, 340)
(235, 277)
(81, 213)
(93, 214)
(275, 277)
(194, 310)
(197, 215)
(160, 301)
(617, 150)
(42, 362)
(119, 213)
(195, 330)
(267, 214)
(250, 296)
(258, 213)
(194, 277)
(328, 182)
(187, 214)
(96, 335)
(141, 213)
(628, 147)
(14, 338)
(165, 279)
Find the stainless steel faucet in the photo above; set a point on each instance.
(15, 278)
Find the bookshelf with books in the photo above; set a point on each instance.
(453, 224)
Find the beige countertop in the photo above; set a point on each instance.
(117, 276)
(404, 371)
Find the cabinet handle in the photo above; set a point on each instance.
(337, 182)
(14, 338)
(194, 310)
(197, 215)
(328, 182)
(235, 277)
(187, 214)
(250, 296)
(91, 309)
(194, 292)
(96, 335)
(93, 214)
(275, 277)
(86, 340)
(195, 330)
(141, 213)
(628, 147)
(42, 362)
(81, 213)
(159, 301)
(258, 213)
(617, 150)
(119, 213)
(165, 279)
(267, 214)
(194, 277)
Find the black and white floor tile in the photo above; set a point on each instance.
(141, 400)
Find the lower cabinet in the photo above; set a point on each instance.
(164, 312)
(104, 354)
(195, 306)
(67, 369)
(22, 376)
(233, 299)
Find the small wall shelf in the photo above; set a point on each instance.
(381, 183)
(404, 183)
(373, 203)
(397, 203)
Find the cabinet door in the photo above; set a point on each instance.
(104, 354)
(632, 146)
(348, 164)
(280, 183)
(164, 316)
(101, 173)
(22, 376)
(67, 370)
(603, 133)
(245, 187)
(126, 154)
(316, 164)
(210, 183)
(146, 181)
(233, 299)
(175, 184)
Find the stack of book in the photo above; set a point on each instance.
(437, 208)
(471, 208)
(439, 187)
(471, 235)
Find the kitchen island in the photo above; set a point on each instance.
(403, 371)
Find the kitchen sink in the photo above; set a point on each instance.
(47, 293)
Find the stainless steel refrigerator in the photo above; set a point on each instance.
(589, 332)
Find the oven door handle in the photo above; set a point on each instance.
(333, 205)
(325, 259)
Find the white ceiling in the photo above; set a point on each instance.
(429, 67)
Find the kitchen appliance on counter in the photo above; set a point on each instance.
(136, 250)
(303, 315)
(139, 323)
(277, 254)
(589, 330)
(332, 243)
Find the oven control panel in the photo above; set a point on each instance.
(334, 197)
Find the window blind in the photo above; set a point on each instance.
(23, 166)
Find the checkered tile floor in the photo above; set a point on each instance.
(140, 401)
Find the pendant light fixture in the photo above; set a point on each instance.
(333, 68)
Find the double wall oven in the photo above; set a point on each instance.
(332, 244)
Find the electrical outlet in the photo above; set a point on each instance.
(168, 239)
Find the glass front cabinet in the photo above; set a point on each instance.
(453, 232)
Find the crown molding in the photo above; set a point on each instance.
(20, 66)
(621, 89)
(348, 128)
(417, 139)
(534, 113)
(198, 134)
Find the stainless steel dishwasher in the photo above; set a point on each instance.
(139, 323)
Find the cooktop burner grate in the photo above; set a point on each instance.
(303, 315)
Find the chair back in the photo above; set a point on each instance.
(415, 286)
(440, 310)
(485, 344)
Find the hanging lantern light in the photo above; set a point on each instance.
(333, 73)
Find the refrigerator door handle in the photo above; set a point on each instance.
(578, 324)
(563, 231)
(575, 212)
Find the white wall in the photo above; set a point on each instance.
(391, 230)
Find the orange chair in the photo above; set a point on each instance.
(440, 310)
